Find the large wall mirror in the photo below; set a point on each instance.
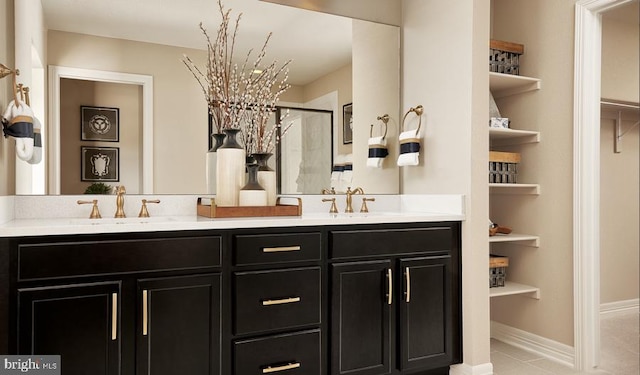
(142, 39)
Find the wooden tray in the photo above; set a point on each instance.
(498, 261)
(213, 211)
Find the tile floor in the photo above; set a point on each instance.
(620, 354)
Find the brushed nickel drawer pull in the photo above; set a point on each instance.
(390, 280)
(407, 276)
(145, 312)
(290, 366)
(271, 302)
(114, 316)
(281, 249)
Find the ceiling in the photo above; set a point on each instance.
(318, 43)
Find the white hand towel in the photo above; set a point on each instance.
(336, 172)
(19, 125)
(377, 152)
(409, 148)
(347, 175)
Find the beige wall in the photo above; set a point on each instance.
(619, 190)
(127, 98)
(445, 69)
(374, 95)
(7, 57)
(383, 11)
(546, 28)
(620, 70)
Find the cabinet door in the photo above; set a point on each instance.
(78, 322)
(178, 330)
(361, 298)
(426, 314)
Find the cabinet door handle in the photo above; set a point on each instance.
(271, 302)
(390, 281)
(290, 366)
(407, 277)
(145, 312)
(280, 249)
(114, 316)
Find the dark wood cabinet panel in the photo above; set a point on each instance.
(179, 328)
(292, 353)
(425, 336)
(67, 259)
(346, 244)
(361, 318)
(276, 299)
(276, 248)
(78, 322)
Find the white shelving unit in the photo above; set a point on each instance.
(508, 84)
(502, 85)
(511, 288)
(518, 238)
(620, 111)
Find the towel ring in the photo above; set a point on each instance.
(385, 119)
(418, 111)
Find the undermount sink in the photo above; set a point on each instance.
(125, 220)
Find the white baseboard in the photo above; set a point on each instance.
(464, 369)
(542, 346)
(630, 306)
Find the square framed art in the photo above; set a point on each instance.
(100, 163)
(99, 124)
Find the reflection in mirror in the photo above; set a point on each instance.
(180, 134)
(305, 152)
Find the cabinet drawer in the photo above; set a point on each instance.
(363, 243)
(297, 353)
(65, 259)
(269, 300)
(276, 248)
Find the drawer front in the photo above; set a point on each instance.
(297, 353)
(276, 248)
(277, 299)
(66, 259)
(364, 243)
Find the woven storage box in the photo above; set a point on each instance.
(497, 270)
(503, 167)
(504, 57)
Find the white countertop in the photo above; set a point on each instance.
(58, 220)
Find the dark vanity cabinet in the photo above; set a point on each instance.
(395, 300)
(345, 299)
(277, 302)
(122, 306)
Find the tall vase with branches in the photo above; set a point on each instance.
(239, 98)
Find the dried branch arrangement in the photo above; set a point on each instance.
(241, 97)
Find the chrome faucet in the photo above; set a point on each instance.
(120, 192)
(350, 194)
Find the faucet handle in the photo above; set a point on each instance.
(143, 210)
(364, 207)
(327, 191)
(334, 208)
(95, 213)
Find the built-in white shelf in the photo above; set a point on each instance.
(502, 85)
(510, 288)
(517, 238)
(500, 188)
(627, 108)
(504, 136)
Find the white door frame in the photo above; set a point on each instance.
(586, 180)
(56, 73)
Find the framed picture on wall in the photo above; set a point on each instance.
(100, 124)
(347, 123)
(100, 163)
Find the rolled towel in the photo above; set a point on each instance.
(347, 175)
(336, 172)
(37, 142)
(377, 152)
(18, 124)
(409, 148)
